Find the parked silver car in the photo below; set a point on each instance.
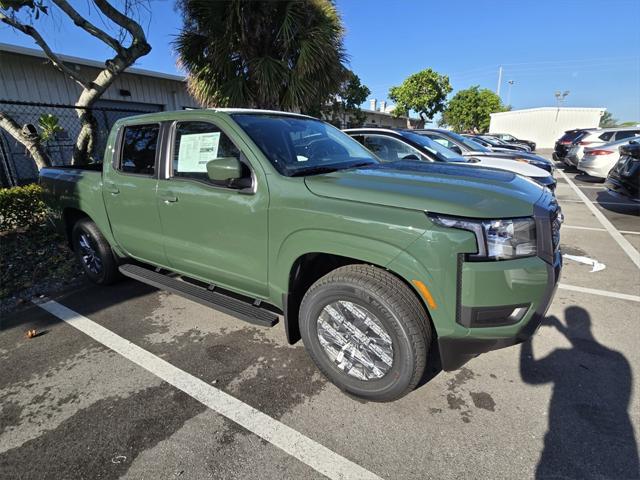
(595, 138)
(598, 161)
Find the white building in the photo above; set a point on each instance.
(546, 124)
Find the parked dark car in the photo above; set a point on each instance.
(496, 143)
(470, 148)
(507, 137)
(563, 144)
(624, 177)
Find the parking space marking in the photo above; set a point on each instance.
(603, 293)
(308, 451)
(596, 229)
(617, 236)
(602, 203)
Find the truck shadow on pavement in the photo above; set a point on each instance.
(590, 434)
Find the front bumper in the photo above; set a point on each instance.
(456, 351)
(493, 286)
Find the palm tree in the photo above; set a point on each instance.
(262, 54)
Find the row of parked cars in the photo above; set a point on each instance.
(604, 153)
(438, 145)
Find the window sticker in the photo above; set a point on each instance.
(196, 150)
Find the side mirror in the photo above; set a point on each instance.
(224, 169)
(411, 156)
(456, 148)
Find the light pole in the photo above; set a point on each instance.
(510, 82)
(560, 97)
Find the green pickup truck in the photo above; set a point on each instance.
(266, 214)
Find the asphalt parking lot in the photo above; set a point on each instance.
(129, 381)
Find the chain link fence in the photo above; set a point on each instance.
(58, 127)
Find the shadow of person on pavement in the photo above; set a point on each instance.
(590, 434)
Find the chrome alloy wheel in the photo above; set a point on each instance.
(90, 257)
(355, 340)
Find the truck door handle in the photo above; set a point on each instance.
(169, 198)
(112, 188)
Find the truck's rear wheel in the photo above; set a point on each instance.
(94, 253)
(366, 331)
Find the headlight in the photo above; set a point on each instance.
(496, 239)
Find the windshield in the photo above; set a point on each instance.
(467, 142)
(440, 151)
(493, 141)
(303, 146)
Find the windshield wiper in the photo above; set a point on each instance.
(314, 171)
(328, 169)
(360, 164)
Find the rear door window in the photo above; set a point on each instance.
(139, 146)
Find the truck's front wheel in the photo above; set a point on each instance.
(94, 253)
(366, 331)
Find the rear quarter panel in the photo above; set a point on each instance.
(68, 189)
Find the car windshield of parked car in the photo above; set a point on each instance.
(467, 142)
(493, 141)
(442, 153)
(298, 146)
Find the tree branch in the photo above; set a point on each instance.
(119, 18)
(88, 27)
(33, 33)
(30, 142)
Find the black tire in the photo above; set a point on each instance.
(398, 310)
(108, 272)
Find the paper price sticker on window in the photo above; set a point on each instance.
(196, 150)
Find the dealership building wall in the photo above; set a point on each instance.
(544, 125)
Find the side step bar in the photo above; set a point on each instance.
(216, 300)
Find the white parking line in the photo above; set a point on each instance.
(629, 204)
(603, 293)
(313, 454)
(617, 236)
(596, 229)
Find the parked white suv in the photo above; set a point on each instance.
(594, 138)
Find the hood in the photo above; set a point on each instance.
(453, 189)
(520, 168)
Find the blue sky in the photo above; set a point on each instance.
(589, 47)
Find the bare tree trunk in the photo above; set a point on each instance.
(91, 90)
(30, 142)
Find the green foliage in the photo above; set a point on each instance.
(286, 55)
(346, 103)
(607, 120)
(49, 125)
(424, 92)
(469, 110)
(21, 207)
(628, 124)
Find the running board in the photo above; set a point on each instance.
(216, 300)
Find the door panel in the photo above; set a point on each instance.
(216, 232)
(129, 193)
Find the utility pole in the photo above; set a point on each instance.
(499, 80)
(510, 82)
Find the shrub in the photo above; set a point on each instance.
(21, 207)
